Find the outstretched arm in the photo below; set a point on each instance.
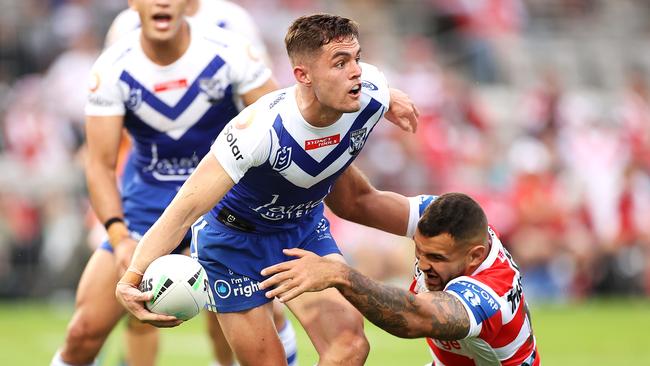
(353, 198)
(436, 314)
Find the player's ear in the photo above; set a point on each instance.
(476, 255)
(302, 75)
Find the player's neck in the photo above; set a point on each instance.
(167, 52)
(314, 112)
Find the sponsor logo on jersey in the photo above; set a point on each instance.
(322, 142)
(273, 211)
(170, 85)
(215, 89)
(471, 297)
(135, 99)
(236, 287)
(232, 142)
(282, 158)
(277, 100)
(368, 85)
(98, 101)
(357, 139)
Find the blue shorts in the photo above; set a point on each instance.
(233, 259)
(143, 204)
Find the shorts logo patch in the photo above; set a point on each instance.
(235, 287)
(222, 288)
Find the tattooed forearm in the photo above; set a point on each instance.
(401, 313)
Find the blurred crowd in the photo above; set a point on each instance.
(540, 109)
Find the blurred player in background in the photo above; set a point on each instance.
(273, 166)
(230, 16)
(467, 298)
(174, 90)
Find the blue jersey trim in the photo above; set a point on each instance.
(304, 160)
(172, 112)
(480, 302)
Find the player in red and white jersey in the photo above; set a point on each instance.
(500, 329)
(466, 299)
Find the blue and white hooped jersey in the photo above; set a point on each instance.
(175, 112)
(284, 167)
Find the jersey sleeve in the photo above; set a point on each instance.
(374, 84)
(125, 22)
(477, 298)
(104, 94)
(244, 143)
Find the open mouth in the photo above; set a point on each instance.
(355, 91)
(162, 21)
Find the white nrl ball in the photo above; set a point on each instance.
(179, 286)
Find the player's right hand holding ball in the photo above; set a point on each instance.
(128, 294)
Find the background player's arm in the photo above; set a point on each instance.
(436, 314)
(202, 190)
(252, 96)
(103, 134)
(402, 112)
(353, 198)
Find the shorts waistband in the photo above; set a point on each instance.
(228, 218)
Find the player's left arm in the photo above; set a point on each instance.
(436, 314)
(355, 199)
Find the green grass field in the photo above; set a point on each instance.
(604, 332)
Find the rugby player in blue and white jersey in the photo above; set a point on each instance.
(173, 85)
(141, 339)
(264, 184)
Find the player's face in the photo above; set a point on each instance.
(335, 75)
(440, 259)
(160, 19)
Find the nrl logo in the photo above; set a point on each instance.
(282, 159)
(357, 139)
(135, 99)
(215, 89)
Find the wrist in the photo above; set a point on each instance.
(131, 278)
(116, 233)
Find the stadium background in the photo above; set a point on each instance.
(538, 108)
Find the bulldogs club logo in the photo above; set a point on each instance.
(215, 89)
(357, 139)
(135, 99)
(282, 159)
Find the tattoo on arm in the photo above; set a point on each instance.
(436, 314)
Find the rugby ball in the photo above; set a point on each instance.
(179, 285)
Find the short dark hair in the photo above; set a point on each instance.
(309, 32)
(456, 214)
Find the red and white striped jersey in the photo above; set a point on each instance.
(500, 329)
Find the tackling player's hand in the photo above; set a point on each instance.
(123, 253)
(402, 111)
(308, 273)
(133, 301)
